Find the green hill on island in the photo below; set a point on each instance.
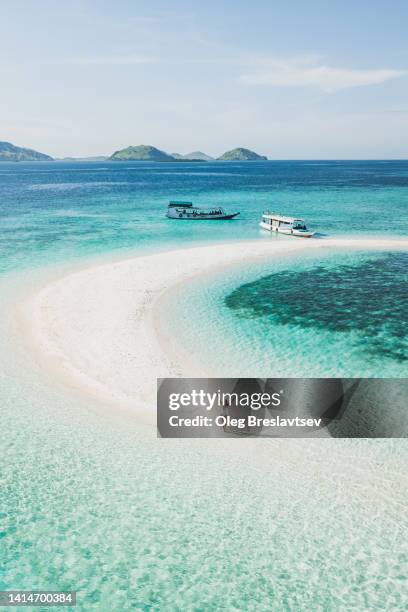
(10, 152)
(241, 154)
(149, 153)
(141, 153)
(194, 156)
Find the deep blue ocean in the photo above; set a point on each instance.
(57, 211)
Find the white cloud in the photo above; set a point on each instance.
(309, 72)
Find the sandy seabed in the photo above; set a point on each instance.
(301, 524)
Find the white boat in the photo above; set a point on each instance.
(291, 226)
(186, 210)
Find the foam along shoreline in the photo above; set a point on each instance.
(96, 328)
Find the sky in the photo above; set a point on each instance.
(289, 79)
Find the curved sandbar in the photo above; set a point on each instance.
(96, 327)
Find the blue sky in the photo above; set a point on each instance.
(289, 79)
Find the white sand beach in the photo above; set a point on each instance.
(98, 329)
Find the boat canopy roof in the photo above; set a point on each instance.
(180, 204)
(270, 215)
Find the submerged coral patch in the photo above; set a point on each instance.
(370, 298)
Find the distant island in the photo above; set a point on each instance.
(194, 156)
(141, 153)
(149, 153)
(10, 152)
(241, 154)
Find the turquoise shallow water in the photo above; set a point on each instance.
(326, 314)
(64, 211)
(93, 501)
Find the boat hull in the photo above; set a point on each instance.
(286, 232)
(190, 217)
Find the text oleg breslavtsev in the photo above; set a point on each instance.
(242, 422)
